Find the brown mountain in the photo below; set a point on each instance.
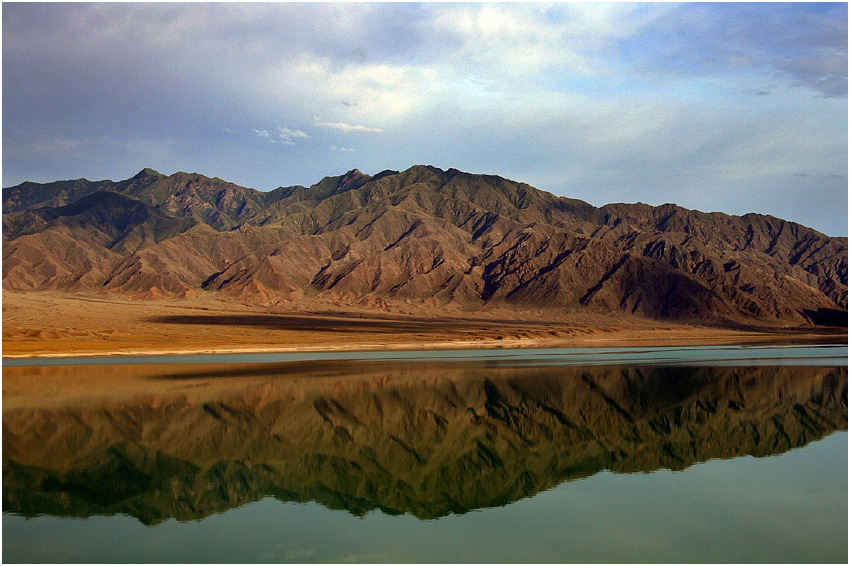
(405, 438)
(421, 238)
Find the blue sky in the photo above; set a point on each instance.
(718, 107)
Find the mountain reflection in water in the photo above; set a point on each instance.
(403, 438)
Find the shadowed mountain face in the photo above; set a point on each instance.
(403, 438)
(425, 237)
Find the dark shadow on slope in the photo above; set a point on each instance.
(827, 317)
(310, 323)
(341, 323)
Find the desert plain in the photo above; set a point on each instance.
(62, 324)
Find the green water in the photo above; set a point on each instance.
(458, 461)
(789, 508)
(726, 355)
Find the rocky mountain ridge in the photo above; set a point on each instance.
(420, 238)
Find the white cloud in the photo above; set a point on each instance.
(376, 94)
(287, 133)
(287, 136)
(526, 39)
(343, 127)
(531, 91)
(468, 57)
(284, 135)
(501, 39)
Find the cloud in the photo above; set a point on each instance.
(609, 101)
(527, 39)
(345, 149)
(799, 45)
(826, 73)
(287, 136)
(343, 127)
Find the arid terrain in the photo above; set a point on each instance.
(184, 262)
(450, 242)
(49, 324)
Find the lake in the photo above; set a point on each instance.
(711, 454)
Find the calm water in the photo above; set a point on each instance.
(723, 355)
(505, 456)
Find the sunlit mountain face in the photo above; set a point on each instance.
(442, 240)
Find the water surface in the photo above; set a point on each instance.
(490, 459)
(724, 355)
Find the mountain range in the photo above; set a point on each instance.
(424, 238)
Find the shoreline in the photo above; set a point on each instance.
(53, 325)
(650, 340)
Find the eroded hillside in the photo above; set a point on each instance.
(443, 240)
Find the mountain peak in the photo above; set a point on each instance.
(353, 176)
(351, 180)
(384, 173)
(145, 173)
(431, 237)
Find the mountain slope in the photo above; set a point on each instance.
(60, 247)
(421, 238)
(218, 203)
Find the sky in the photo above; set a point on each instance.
(717, 107)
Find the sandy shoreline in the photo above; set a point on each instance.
(57, 325)
(649, 341)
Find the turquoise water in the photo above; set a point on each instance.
(681, 355)
(783, 509)
(486, 456)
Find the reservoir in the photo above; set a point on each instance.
(712, 454)
(787, 354)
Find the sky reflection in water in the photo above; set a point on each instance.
(395, 462)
